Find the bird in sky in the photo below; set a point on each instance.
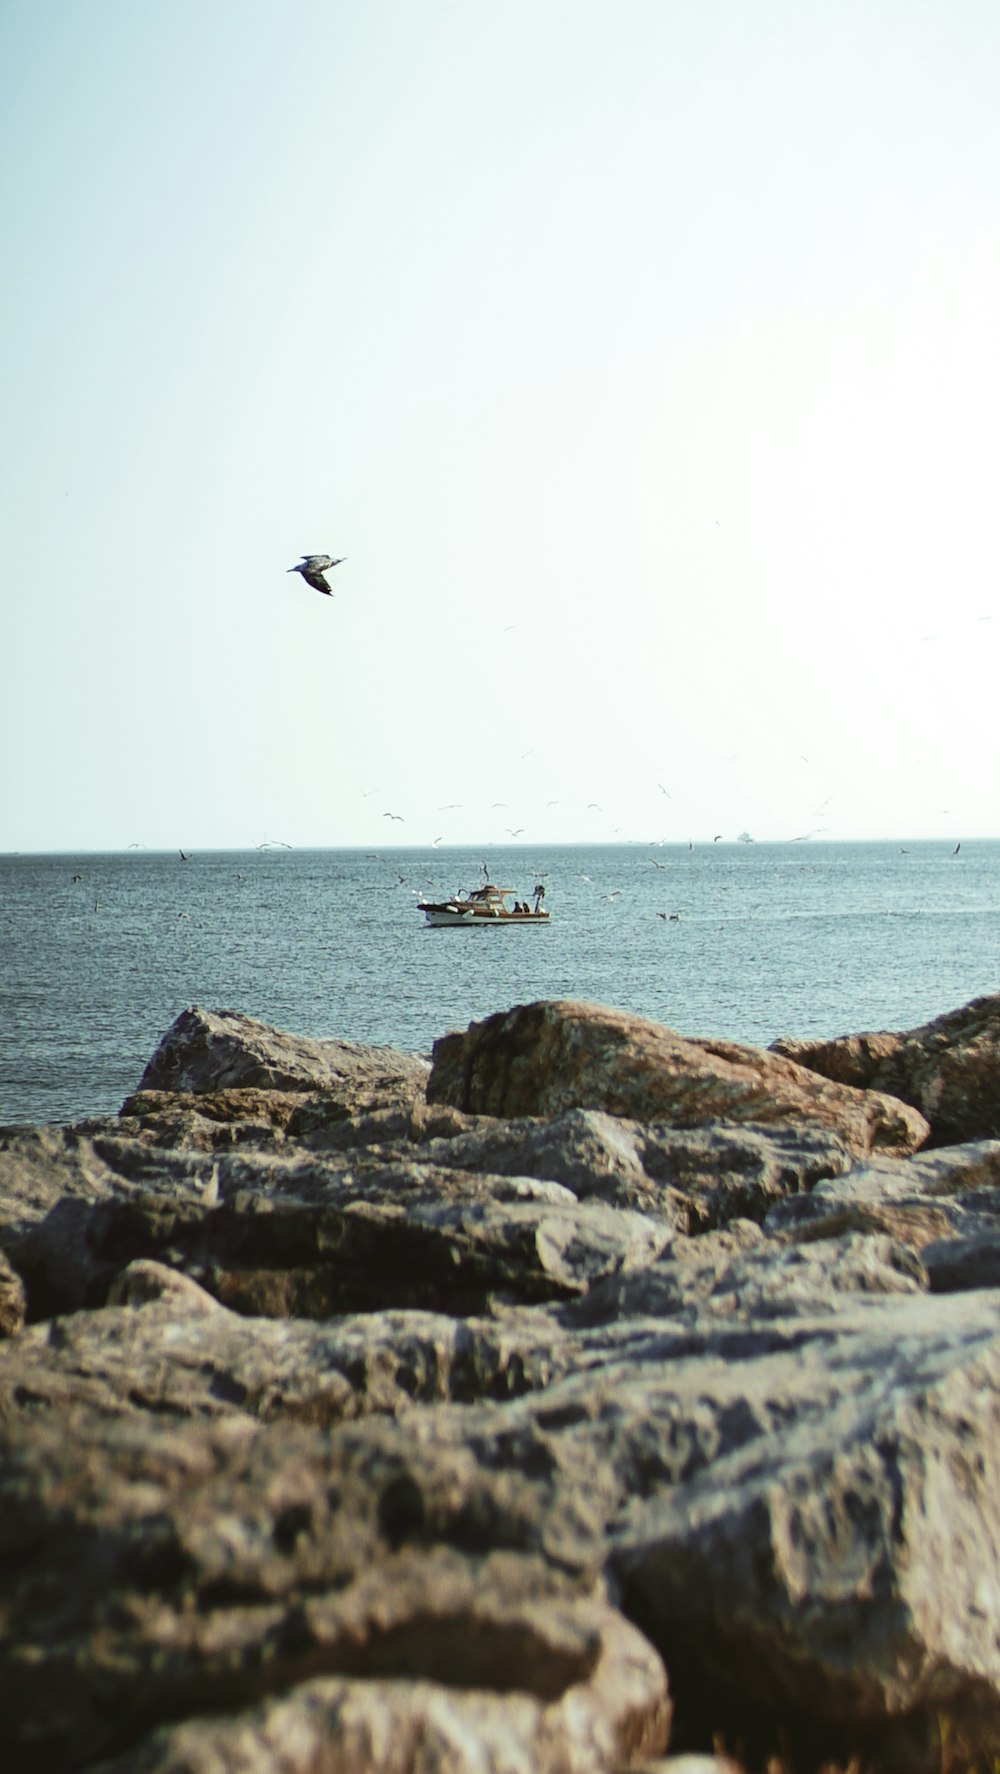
(313, 566)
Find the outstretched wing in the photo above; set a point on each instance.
(314, 577)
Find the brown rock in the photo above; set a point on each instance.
(546, 1057)
(848, 1059)
(145, 1281)
(13, 1302)
(212, 1120)
(949, 1068)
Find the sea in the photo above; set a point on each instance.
(747, 941)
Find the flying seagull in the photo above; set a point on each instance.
(313, 566)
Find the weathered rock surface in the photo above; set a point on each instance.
(540, 1059)
(638, 1394)
(277, 1233)
(948, 1068)
(943, 1204)
(214, 1052)
(13, 1300)
(268, 1588)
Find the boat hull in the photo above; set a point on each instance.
(463, 917)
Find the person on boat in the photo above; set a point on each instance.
(539, 895)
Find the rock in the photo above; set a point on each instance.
(212, 1120)
(13, 1299)
(951, 1069)
(803, 1567)
(544, 1058)
(499, 1710)
(346, 1427)
(240, 1597)
(54, 1184)
(697, 1178)
(181, 1357)
(276, 1233)
(955, 1264)
(751, 1279)
(691, 1764)
(848, 1059)
(208, 1052)
(948, 1068)
(774, 1494)
(144, 1281)
(927, 1202)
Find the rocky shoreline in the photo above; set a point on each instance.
(589, 1398)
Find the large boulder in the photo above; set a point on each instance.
(943, 1204)
(835, 1561)
(695, 1178)
(282, 1233)
(212, 1051)
(775, 1491)
(546, 1057)
(243, 1597)
(948, 1068)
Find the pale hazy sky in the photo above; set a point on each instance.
(642, 357)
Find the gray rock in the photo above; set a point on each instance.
(957, 1263)
(662, 1362)
(696, 1178)
(837, 1559)
(208, 1051)
(922, 1201)
(241, 1596)
(276, 1232)
(754, 1279)
(776, 1491)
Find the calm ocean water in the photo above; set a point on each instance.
(99, 953)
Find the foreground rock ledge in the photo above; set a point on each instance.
(588, 1391)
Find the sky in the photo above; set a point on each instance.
(641, 358)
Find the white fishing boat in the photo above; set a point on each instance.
(486, 907)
